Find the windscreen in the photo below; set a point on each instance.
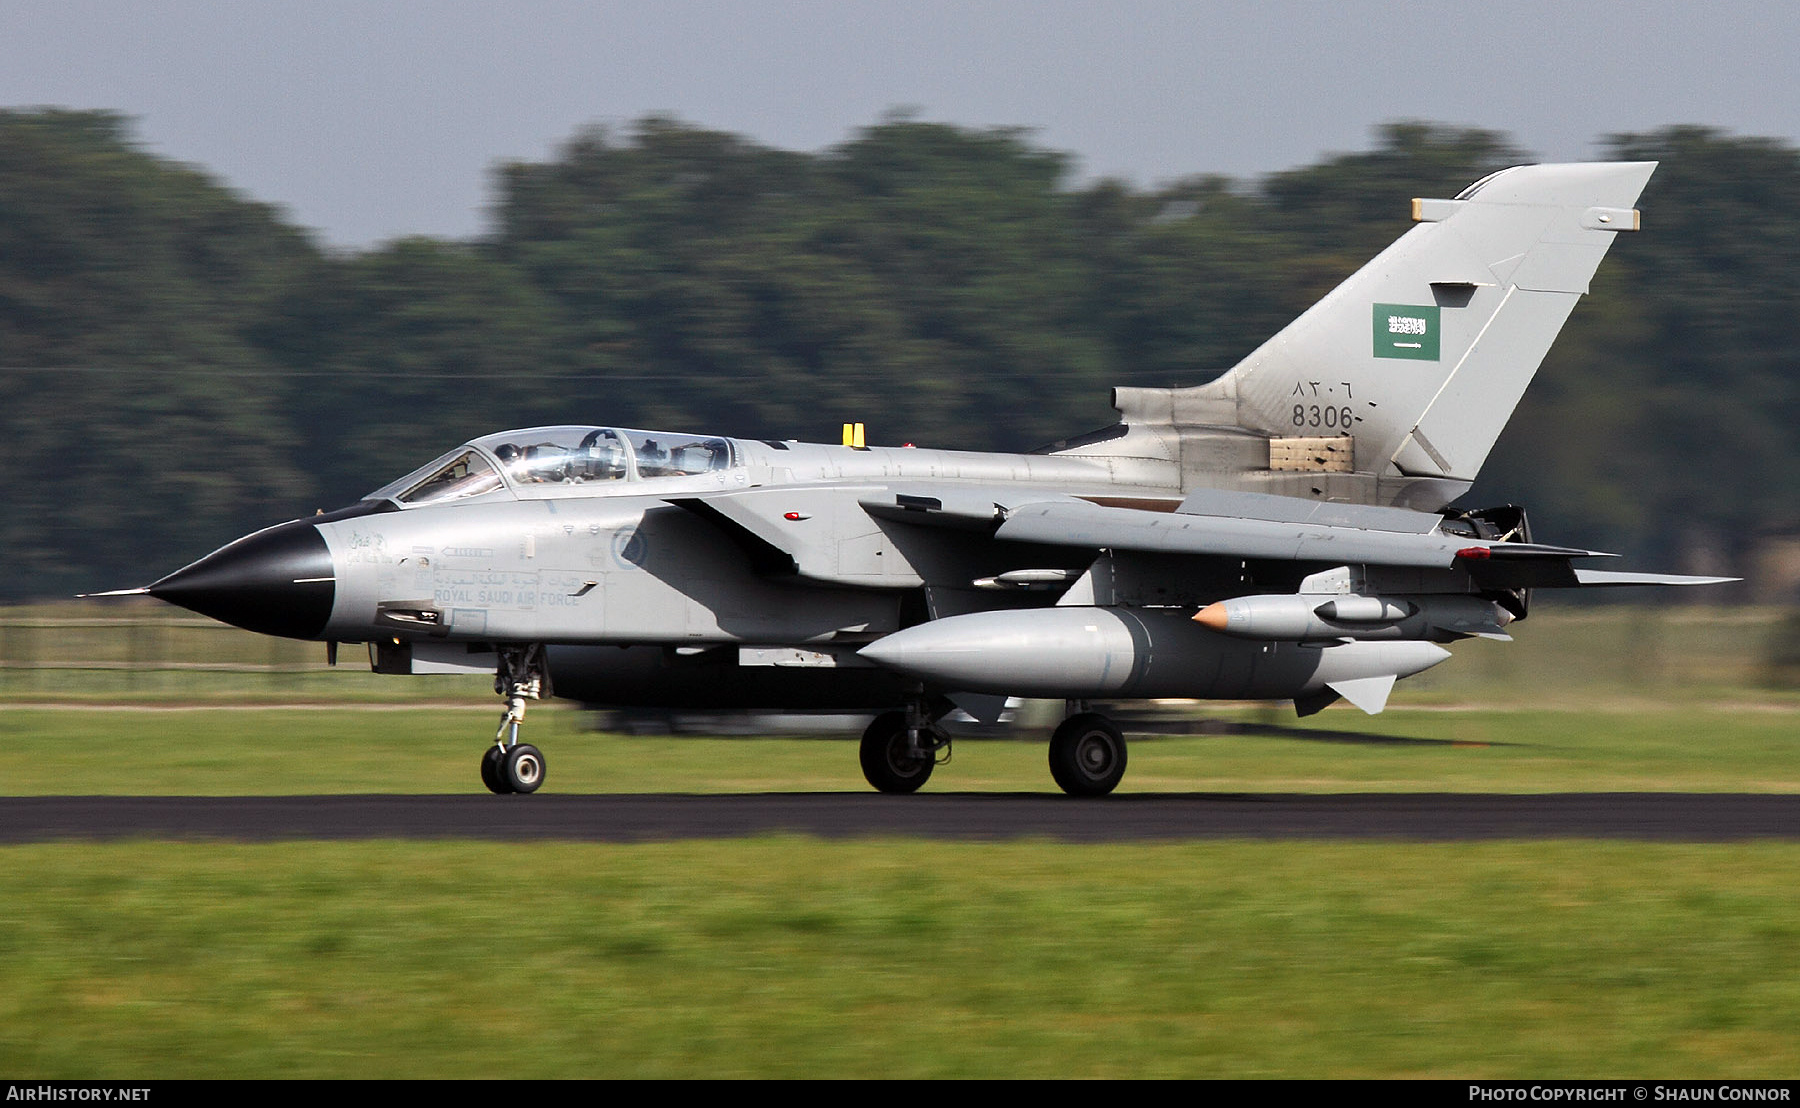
(469, 474)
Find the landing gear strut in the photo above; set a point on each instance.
(900, 749)
(510, 766)
(1087, 754)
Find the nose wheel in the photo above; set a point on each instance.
(510, 766)
(512, 769)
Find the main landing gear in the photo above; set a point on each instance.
(1087, 753)
(510, 766)
(900, 749)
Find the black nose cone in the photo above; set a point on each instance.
(278, 581)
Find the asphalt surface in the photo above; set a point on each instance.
(1670, 817)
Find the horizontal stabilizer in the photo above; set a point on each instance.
(1604, 578)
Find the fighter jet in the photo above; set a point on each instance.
(1283, 532)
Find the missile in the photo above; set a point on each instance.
(1301, 617)
(1082, 653)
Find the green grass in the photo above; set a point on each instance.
(893, 958)
(222, 751)
(788, 956)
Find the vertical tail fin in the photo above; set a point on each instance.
(1421, 355)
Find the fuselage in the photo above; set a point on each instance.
(667, 569)
(616, 554)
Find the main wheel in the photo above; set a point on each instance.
(490, 769)
(886, 762)
(522, 768)
(1087, 755)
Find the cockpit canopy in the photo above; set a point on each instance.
(546, 459)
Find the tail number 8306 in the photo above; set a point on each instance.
(1314, 415)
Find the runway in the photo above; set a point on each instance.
(1423, 817)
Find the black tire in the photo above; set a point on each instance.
(522, 768)
(1087, 755)
(886, 762)
(490, 769)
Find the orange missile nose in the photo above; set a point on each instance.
(1213, 616)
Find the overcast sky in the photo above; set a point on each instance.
(370, 120)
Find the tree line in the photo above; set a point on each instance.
(180, 364)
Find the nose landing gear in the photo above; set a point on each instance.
(510, 766)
